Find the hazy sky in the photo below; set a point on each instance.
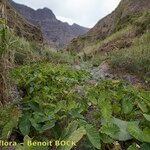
(82, 12)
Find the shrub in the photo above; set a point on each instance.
(134, 59)
(122, 111)
(49, 95)
(51, 102)
(142, 24)
(9, 115)
(59, 57)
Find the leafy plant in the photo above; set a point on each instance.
(25, 145)
(9, 120)
(49, 96)
(119, 112)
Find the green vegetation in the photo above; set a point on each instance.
(142, 23)
(126, 29)
(52, 103)
(127, 49)
(91, 49)
(135, 59)
(56, 101)
(49, 94)
(9, 120)
(26, 52)
(121, 109)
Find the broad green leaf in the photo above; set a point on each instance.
(146, 97)
(137, 133)
(143, 106)
(24, 125)
(133, 147)
(93, 100)
(106, 139)
(105, 108)
(35, 124)
(127, 106)
(147, 117)
(7, 129)
(57, 130)
(117, 129)
(31, 90)
(72, 126)
(75, 137)
(76, 114)
(116, 109)
(123, 134)
(82, 122)
(10, 116)
(93, 136)
(146, 130)
(145, 146)
(48, 125)
(110, 129)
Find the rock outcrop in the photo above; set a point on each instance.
(21, 26)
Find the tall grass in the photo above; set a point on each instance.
(6, 62)
(92, 49)
(15, 51)
(26, 52)
(135, 59)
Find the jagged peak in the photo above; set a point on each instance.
(44, 9)
(53, 30)
(46, 13)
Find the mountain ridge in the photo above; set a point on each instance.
(127, 12)
(54, 31)
(21, 26)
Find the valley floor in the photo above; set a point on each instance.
(59, 96)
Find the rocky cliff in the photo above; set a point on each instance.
(54, 31)
(21, 26)
(126, 14)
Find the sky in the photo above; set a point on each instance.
(83, 12)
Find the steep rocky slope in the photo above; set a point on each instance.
(21, 26)
(126, 14)
(54, 31)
